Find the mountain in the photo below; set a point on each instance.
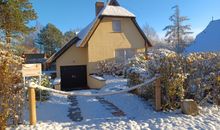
(208, 40)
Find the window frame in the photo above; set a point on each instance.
(116, 26)
(125, 54)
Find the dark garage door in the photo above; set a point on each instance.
(73, 78)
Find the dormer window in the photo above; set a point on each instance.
(116, 25)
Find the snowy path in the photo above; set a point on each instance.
(74, 109)
(115, 111)
(138, 114)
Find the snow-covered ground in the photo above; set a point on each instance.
(139, 114)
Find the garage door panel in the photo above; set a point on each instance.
(73, 77)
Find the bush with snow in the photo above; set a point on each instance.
(203, 77)
(11, 93)
(168, 65)
(193, 76)
(110, 68)
(45, 81)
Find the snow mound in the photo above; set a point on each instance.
(208, 40)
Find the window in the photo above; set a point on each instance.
(116, 26)
(123, 55)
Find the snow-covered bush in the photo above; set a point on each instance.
(136, 74)
(110, 68)
(170, 66)
(192, 76)
(202, 81)
(45, 81)
(11, 91)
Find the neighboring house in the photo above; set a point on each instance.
(208, 40)
(34, 58)
(114, 35)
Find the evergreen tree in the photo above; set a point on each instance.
(14, 16)
(50, 38)
(68, 36)
(177, 31)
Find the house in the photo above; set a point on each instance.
(113, 35)
(208, 40)
(31, 58)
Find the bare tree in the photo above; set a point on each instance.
(151, 34)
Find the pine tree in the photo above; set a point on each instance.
(50, 38)
(68, 36)
(14, 16)
(177, 32)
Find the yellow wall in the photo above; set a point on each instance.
(73, 56)
(104, 41)
(102, 46)
(95, 83)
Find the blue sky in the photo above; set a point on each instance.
(72, 14)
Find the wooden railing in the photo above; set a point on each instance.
(32, 98)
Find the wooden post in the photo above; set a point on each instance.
(32, 106)
(158, 95)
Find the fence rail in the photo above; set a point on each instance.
(33, 86)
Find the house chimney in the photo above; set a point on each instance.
(99, 6)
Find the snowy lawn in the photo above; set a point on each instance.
(139, 114)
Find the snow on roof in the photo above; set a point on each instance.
(83, 33)
(208, 39)
(108, 10)
(116, 11)
(85, 30)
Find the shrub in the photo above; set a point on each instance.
(136, 74)
(202, 81)
(170, 66)
(45, 81)
(11, 93)
(192, 76)
(110, 68)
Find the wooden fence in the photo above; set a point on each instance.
(32, 100)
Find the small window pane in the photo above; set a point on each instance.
(123, 55)
(119, 56)
(116, 25)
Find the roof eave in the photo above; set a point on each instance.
(142, 33)
(56, 55)
(90, 33)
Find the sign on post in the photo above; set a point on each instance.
(29, 70)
